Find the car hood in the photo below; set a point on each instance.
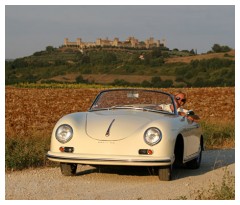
(116, 124)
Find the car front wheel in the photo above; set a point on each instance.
(165, 173)
(68, 169)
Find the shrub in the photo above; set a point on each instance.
(25, 152)
(79, 79)
(217, 135)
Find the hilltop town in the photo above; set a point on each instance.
(130, 42)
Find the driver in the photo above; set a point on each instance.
(180, 100)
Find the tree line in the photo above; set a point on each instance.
(46, 64)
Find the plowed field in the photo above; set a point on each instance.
(37, 110)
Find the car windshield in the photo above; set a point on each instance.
(149, 100)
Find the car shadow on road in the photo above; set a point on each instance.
(119, 170)
(211, 160)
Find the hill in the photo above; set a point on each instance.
(187, 59)
(118, 66)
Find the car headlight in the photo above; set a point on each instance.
(152, 136)
(64, 133)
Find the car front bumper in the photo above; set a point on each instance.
(108, 160)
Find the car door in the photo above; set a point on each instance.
(191, 139)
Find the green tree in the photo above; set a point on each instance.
(109, 58)
(50, 49)
(156, 53)
(80, 79)
(192, 52)
(156, 81)
(225, 48)
(216, 48)
(85, 59)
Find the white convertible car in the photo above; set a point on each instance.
(127, 127)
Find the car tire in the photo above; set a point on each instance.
(68, 169)
(196, 162)
(165, 173)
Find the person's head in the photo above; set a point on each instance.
(180, 99)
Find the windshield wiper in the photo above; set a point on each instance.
(121, 107)
(153, 109)
(97, 109)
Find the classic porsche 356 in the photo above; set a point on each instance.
(127, 127)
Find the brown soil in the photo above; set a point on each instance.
(39, 109)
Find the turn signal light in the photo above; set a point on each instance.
(145, 151)
(66, 149)
(150, 152)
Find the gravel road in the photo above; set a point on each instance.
(119, 183)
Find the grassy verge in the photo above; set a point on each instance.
(26, 151)
(218, 135)
(224, 191)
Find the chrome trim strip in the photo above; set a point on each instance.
(191, 157)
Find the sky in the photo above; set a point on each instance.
(31, 28)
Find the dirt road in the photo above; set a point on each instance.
(119, 183)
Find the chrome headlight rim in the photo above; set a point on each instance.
(149, 139)
(61, 128)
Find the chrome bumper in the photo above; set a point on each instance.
(106, 160)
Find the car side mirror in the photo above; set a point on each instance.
(190, 112)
